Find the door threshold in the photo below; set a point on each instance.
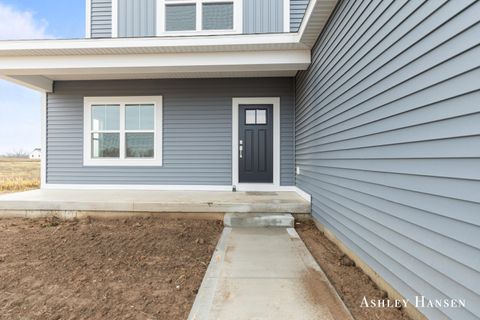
(262, 187)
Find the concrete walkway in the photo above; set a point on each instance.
(265, 273)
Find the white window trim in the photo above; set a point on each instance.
(88, 17)
(286, 15)
(114, 18)
(236, 102)
(122, 161)
(237, 18)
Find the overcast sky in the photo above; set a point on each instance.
(31, 19)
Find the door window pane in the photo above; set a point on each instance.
(261, 116)
(139, 145)
(139, 117)
(105, 117)
(105, 145)
(180, 17)
(250, 116)
(217, 16)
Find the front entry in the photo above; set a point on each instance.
(255, 143)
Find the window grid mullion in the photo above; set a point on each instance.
(122, 131)
(199, 15)
(104, 131)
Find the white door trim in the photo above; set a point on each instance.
(236, 102)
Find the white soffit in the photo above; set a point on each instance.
(175, 75)
(178, 44)
(316, 17)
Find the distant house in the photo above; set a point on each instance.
(36, 154)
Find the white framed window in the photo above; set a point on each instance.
(123, 131)
(188, 17)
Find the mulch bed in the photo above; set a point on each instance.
(136, 268)
(351, 283)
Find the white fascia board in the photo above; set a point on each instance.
(315, 18)
(157, 44)
(35, 82)
(157, 63)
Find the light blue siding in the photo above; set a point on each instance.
(262, 16)
(297, 12)
(101, 19)
(388, 143)
(136, 18)
(197, 135)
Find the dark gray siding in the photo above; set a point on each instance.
(136, 18)
(197, 119)
(101, 20)
(388, 142)
(297, 11)
(262, 16)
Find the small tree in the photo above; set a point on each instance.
(17, 153)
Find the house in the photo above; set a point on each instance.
(36, 154)
(368, 107)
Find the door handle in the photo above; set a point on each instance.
(241, 152)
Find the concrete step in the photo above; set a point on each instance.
(260, 220)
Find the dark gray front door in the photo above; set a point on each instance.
(255, 144)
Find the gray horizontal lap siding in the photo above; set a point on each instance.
(297, 12)
(262, 16)
(197, 134)
(101, 19)
(388, 142)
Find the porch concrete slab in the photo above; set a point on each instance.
(258, 220)
(153, 201)
(265, 273)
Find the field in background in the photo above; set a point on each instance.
(19, 174)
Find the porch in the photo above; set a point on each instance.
(71, 203)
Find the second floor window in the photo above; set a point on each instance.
(149, 18)
(198, 15)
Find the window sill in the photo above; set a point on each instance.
(122, 163)
(197, 33)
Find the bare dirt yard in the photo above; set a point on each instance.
(351, 283)
(136, 268)
(19, 174)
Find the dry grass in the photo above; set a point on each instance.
(19, 174)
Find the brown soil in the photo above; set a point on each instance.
(138, 268)
(351, 283)
(319, 290)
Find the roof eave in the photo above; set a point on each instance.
(37, 63)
